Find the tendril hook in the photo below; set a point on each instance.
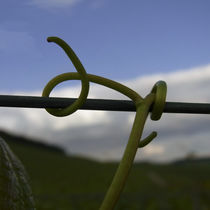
(83, 77)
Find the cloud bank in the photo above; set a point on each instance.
(103, 135)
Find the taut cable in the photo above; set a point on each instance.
(18, 101)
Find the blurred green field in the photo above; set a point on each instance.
(61, 182)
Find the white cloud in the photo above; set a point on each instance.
(62, 4)
(16, 42)
(103, 135)
(55, 3)
(154, 150)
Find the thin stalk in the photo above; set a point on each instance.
(126, 163)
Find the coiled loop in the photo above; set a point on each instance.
(160, 91)
(83, 77)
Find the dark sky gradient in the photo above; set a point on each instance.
(116, 39)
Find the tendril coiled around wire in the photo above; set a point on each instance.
(155, 99)
(83, 77)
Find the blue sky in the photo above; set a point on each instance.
(136, 42)
(116, 39)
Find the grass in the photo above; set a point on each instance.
(61, 182)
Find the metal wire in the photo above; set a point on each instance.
(97, 104)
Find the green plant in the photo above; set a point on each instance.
(15, 191)
(155, 99)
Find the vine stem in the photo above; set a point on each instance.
(126, 163)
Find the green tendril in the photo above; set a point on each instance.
(160, 91)
(83, 77)
(148, 139)
(156, 100)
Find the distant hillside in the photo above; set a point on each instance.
(14, 138)
(66, 182)
(197, 160)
